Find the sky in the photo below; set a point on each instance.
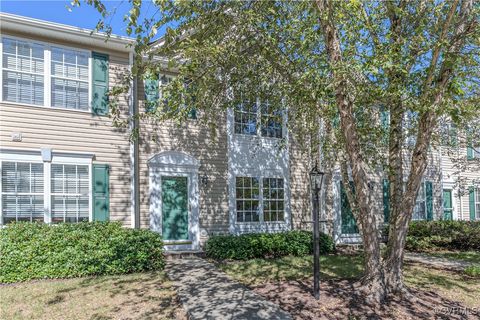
(84, 16)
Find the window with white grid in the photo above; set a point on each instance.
(420, 209)
(22, 191)
(69, 193)
(273, 199)
(477, 203)
(247, 199)
(271, 121)
(22, 71)
(245, 118)
(69, 69)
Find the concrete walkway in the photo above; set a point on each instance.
(208, 293)
(438, 262)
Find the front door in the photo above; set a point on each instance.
(447, 204)
(174, 208)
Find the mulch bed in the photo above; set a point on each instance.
(339, 300)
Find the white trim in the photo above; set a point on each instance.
(131, 125)
(173, 163)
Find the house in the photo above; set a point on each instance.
(63, 160)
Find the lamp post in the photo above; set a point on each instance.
(316, 180)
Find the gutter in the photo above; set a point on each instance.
(134, 168)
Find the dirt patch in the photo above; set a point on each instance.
(339, 300)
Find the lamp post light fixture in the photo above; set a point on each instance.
(316, 181)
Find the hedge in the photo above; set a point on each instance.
(265, 245)
(437, 235)
(36, 251)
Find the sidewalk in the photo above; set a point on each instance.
(438, 262)
(208, 293)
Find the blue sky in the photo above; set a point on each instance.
(84, 16)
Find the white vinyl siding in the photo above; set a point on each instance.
(69, 79)
(44, 75)
(70, 193)
(22, 191)
(22, 72)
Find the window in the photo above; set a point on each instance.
(70, 193)
(253, 206)
(69, 79)
(273, 199)
(23, 69)
(420, 211)
(246, 118)
(271, 121)
(247, 198)
(27, 67)
(477, 203)
(247, 115)
(22, 191)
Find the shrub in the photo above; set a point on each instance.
(434, 235)
(473, 271)
(265, 245)
(35, 251)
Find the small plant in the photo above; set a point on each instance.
(473, 271)
(36, 251)
(265, 245)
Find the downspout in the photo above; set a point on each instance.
(134, 185)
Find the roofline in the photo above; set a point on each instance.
(59, 31)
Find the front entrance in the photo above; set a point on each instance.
(174, 199)
(174, 208)
(447, 204)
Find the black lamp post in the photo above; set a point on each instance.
(316, 180)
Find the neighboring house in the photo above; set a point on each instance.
(63, 160)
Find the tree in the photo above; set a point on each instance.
(349, 63)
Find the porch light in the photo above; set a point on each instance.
(204, 180)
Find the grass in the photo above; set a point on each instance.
(133, 296)
(455, 286)
(467, 256)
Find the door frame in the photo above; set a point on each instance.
(175, 164)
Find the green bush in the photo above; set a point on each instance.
(36, 251)
(265, 245)
(473, 271)
(434, 235)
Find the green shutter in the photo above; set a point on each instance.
(151, 93)
(100, 84)
(470, 153)
(192, 114)
(101, 192)
(386, 200)
(471, 199)
(429, 199)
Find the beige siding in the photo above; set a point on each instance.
(77, 131)
(195, 139)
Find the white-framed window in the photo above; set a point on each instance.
(69, 193)
(22, 191)
(69, 71)
(23, 71)
(273, 199)
(258, 118)
(259, 199)
(477, 203)
(41, 74)
(51, 192)
(420, 209)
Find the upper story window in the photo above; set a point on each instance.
(46, 75)
(69, 79)
(23, 72)
(248, 115)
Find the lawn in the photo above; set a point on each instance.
(451, 285)
(133, 296)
